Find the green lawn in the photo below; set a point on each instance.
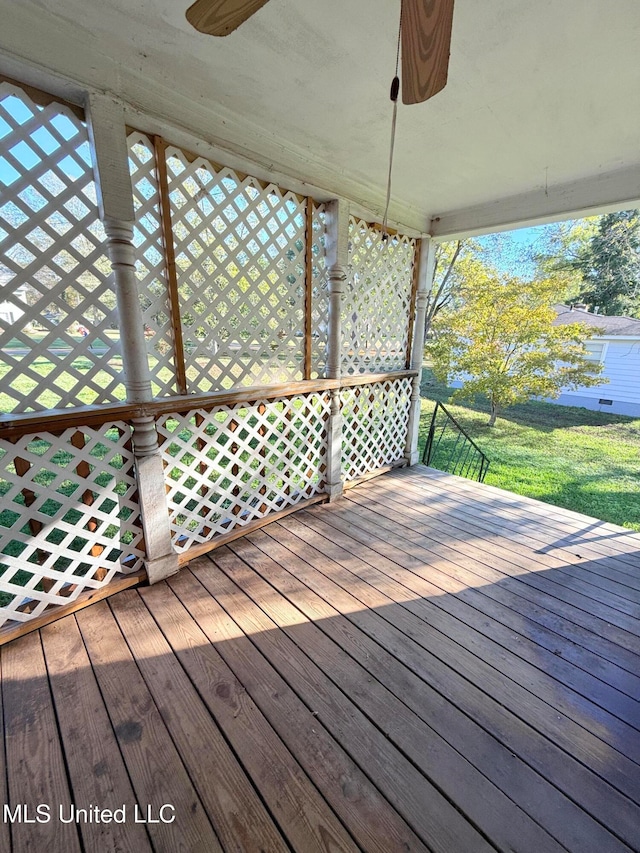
(568, 456)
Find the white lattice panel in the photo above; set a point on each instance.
(377, 301)
(319, 295)
(58, 324)
(375, 423)
(227, 467)
(240, 264)
(151, 265)
(69, 519)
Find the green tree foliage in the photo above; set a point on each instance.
(609, 263)
(596, 261)
(559, 254)
(500, 342)
(455, 262)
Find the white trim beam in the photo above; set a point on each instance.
(589, 196)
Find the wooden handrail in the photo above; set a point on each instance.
(57, 420)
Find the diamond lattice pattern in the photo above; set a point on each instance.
(58, 323)
(237, 463)
(69, 519)
(150, 265)
(240, 264)
(375, 424)
(377, 300)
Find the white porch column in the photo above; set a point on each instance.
(336, 251)
(107, 133)
(425, 283)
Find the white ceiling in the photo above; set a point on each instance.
(541, 114)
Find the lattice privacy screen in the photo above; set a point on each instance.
(69, 517)
(58, 325)
(240, 261)
(151, 266)
(240, 265)
(375, 424)
(377, 300)
(237, 463)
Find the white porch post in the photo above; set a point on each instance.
(107, 133)
(425, 283)
(336, 249)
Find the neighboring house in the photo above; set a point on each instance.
(10, 312)
(617, 347)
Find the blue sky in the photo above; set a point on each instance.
(510, 251)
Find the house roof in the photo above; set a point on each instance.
(540, 117)
(608, 326)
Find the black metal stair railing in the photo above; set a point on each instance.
(450, 449)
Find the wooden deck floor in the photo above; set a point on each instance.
(427, 664)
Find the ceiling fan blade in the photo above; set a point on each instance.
(426, 41)
(221, 17)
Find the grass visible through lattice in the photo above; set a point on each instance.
(375, 423)
(51, 507)
(58, 306)
(241, 462)
(223, 440)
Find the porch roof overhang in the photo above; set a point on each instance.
(540, 119)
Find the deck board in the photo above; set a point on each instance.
(5, 835)
(240, 818)
(466, 581)
(583, 572)
(455, 672)
(495, 760)
(519, 655)
(427, 664)
(475, 515)
(35, 763)
(373, 824)
(95, 765)
(296, 652)
(296, 803)
(566, 527)
(520, 563)
(474, 572)
(158, 774)
(489, 808)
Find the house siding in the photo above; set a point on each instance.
(622, 369)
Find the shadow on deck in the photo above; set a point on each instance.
(427, 664)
